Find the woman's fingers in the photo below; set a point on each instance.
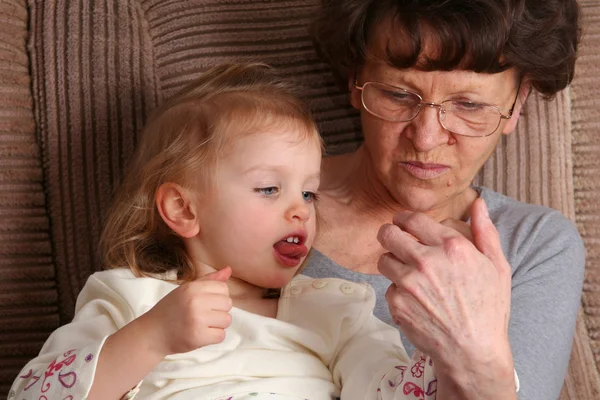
(486, 237)
(411, 293)
(460, 226)
(424, 228)
(487, 240)
(392, 268)
(400, 244)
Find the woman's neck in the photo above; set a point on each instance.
(350, 179)
(353, 206)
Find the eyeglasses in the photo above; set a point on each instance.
(464, 118)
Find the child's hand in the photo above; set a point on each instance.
(193, 315)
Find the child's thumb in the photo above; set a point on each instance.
(486, 237)
(221, 275)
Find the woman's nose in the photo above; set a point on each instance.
(425, 131)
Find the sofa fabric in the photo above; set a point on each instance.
(585, 116)
(28, 289)
(78, 79)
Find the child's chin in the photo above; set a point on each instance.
(280, 280)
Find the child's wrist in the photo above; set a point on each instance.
(152, 333)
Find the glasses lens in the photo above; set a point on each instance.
(390, 103)
(470, 119)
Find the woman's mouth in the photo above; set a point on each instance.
(424, 171)
(290, 251)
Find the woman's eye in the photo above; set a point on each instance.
(468, 106)
(267, 191)
(309, 196)
(400, 97)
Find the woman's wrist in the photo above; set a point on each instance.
(483, 376)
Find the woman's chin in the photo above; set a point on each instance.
(420, 199)
(425, 195)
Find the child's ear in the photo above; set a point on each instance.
(177, 209)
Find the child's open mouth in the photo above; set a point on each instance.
(291, 250)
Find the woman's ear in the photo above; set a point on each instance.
(511, 124)
(177, 209)
(355, 94)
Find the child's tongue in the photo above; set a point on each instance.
(292, 250)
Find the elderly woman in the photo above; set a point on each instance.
(484, 284)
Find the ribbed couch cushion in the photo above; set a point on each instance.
(585, 100)
(28, 293)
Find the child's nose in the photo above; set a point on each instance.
(299, 211)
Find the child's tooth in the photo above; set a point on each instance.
(290, 240)
(296, 240)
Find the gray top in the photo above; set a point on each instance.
(547, 258)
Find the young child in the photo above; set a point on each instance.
(217, 210)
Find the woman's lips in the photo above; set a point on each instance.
(425, 171)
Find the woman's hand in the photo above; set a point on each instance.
(451, 298)
(192, 316)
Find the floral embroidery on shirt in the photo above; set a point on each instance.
(54, 369)
(431, 388)
(418, 368)
(402, 369)
(67, 379)
(28, 375)
(410, 387)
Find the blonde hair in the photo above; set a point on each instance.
(181, 143)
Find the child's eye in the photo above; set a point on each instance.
(267, 191)
(309, 196)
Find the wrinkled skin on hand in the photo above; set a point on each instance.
(450, 295)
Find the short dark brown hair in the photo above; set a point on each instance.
(537, 37)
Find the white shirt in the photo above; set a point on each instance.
(325, 342)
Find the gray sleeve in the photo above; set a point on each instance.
(548, 261)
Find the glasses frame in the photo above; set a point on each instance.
(439, 106)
